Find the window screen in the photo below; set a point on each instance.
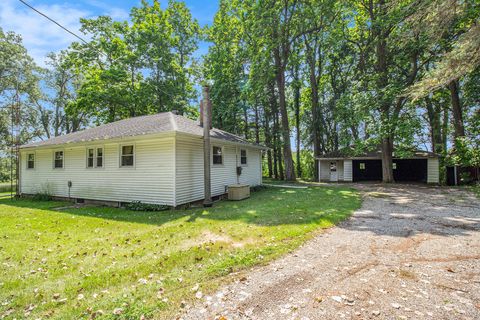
(127, 156)
(99, 157)
(90, 156)
(31, 161)
(243, 156)
(217, 155)
(58, 159)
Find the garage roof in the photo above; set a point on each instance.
(375, 153)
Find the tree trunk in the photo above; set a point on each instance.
(456, 109)
(387, 168)
(278, 140)
(257, 126)
(297, 121)
(287, 149)
(275, 146)
(445, 129)
(281, 172)
(245, 116)
(268, 142)
(381, 53)
(434, 113)
(315, 109)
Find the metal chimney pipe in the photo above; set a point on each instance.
(207, 115)
(201, 112)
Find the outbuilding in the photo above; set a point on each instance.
(154, 159)
(350, 166)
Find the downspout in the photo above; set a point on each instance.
(206, 107)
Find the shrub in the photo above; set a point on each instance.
(140, 206)
(41, 196)
(44, 193)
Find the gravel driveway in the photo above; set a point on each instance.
(410, 252)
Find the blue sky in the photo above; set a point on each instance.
(41, 36)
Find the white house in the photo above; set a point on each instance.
(153, 159)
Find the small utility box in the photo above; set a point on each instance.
(238, 191)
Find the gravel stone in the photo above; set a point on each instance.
(412, 246)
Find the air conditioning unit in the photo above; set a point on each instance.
(238, 191)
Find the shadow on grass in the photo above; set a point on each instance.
(268, 207)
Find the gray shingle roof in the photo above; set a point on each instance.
(139, 126)
(376, 153)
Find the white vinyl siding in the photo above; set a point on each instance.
(433, 175)
(347, 171)
(340, 169)
(166, 170)
(324, 170)
(252, 171)
(150, 181)
(189, 169)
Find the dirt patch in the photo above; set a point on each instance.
(410, 252)
(212, 238)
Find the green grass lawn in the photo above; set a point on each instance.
(70, 263)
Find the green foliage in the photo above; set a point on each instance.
(466, 153)
(140, 206)
(6, 187)
(42, 196)
(136, 68)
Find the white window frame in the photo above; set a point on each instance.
(394, 166)
(95, 156)
(34, 160)
(63, 159)
(223, 155)
(87, 157)
(103, 157)
(120, 155)
(246, 157)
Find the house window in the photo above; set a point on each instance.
(243, 156)
(127, 157)
(58, 160)
(333, 166)
(394, 166)
(99, 157)
(362, 165)
(31, 161)
(217, 155)
(90, 157)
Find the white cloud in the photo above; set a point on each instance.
(41, 36)
(116, 13)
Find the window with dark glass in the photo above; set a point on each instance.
(127, 156)
(217, 155)
(31, 161)
(243, 156)
(58, 159)
(90, 157)
(99, 157)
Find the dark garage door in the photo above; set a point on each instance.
(406, 170)
(367, 170)
(411, 170)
